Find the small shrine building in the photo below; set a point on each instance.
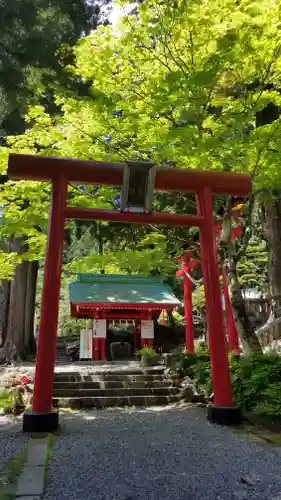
(109, 298)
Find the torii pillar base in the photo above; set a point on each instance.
(221, 415)
(40, 422)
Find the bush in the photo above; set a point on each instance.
(255, 379)
(146, 351)
(198, 368)
(256, 383)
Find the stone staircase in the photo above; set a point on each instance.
(115, 387)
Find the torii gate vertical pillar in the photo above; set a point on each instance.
(187, 290)
(42, 418)
(222, 412)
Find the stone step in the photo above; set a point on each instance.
(107, 377)
(128, 392)
(111, 384)
(107, 402)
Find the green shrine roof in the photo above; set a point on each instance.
(121, 289)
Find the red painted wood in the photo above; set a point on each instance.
(180, 273)
(216, 334)
(105, 306)
(95, 349)
(189, 341)
(170, 219)
(110, 315)
(35, 167)
(46, 348)
(149, 343)
(135, 339)
(143, 343)
(103, 356)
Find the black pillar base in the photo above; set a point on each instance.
(40, 422)
(225, 415)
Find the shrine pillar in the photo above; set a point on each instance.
(187, 288)
(42, 418)
(135, 337)
(99, 339)
(222, 412)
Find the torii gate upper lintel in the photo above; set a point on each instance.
(61, 172)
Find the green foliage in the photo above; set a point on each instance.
(255, 380)
(5, 400)
(253, 267)
(179, 86)
(167, 86)
(198, 298)
(32, 32)
(146, 352)
(8, 262)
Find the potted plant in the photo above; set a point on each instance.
(149, 357)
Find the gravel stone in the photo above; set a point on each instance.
(158, 454)
(11, 440)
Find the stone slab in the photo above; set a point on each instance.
(31, 481)
(36, 451)
(36, 497)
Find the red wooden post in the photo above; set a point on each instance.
(46, 348)
(143, 343)
(135, 338)
(187, 286)
(103, 349)
(95, 349)
(231, 326)
(216, 335)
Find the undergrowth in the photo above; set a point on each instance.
(255, 379)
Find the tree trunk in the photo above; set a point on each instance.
(246, 332)
(14, 349)
(5, 287)
(171, 319)
(273, 217)
(29, 339)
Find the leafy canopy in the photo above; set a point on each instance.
(180, 83)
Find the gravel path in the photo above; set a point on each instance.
(11, 440)
(158, 454)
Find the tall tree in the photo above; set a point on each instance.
(180, 83)
(32, 32)
(35, 48)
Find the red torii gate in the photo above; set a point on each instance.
(61, 172)
(188, 264)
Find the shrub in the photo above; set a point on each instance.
(146, 351)
(255, 379)
(256, 383)
(198, 368)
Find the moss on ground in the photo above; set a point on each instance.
(258, 434)
(5, 399)
(51, 442)
(14, 468)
